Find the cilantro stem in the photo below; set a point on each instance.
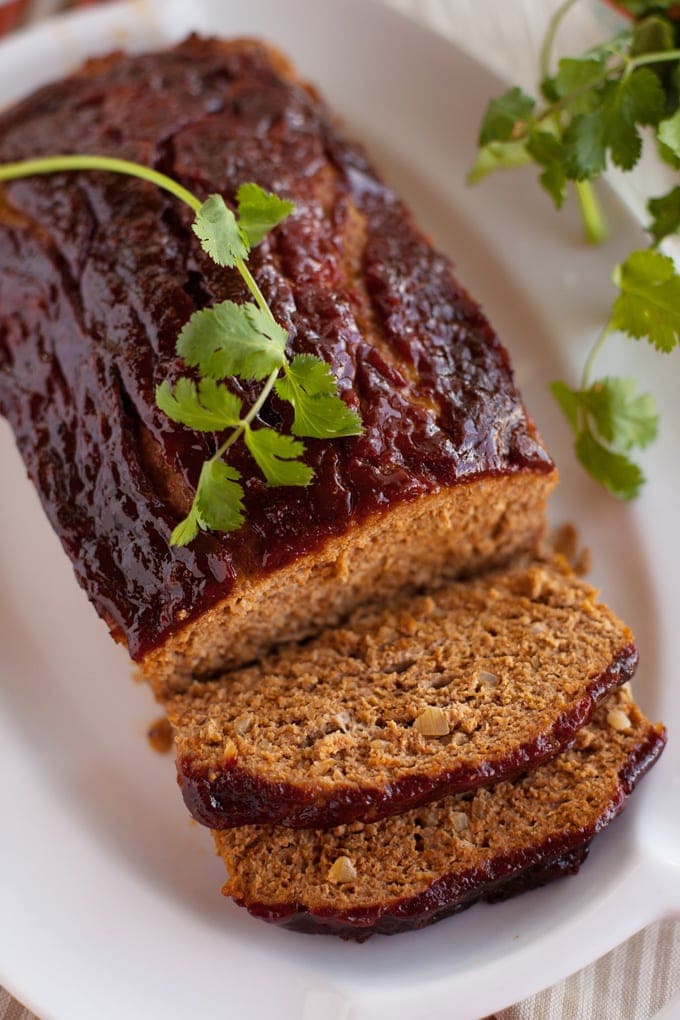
(551, 31)
(57, 164)
(653, 58)
(594, 223)
(242, 426)
(252, 286)
(250, 417)
(592, 356)
(109, 164)
(565, 100)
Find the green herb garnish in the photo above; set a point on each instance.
(232, 340)
(590, 112)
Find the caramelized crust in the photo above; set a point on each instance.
(98, 273)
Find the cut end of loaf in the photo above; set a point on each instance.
(422, 865)
(456, 532)
(404, 703)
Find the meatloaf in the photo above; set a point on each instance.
(407, 871)
(402, 704)
(98, 273)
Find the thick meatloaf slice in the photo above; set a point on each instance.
(401, 705)
(410, 870)
(98, 273)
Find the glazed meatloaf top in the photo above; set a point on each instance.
(98, 274)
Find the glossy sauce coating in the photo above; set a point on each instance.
(98, 274)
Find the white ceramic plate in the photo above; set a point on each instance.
(109, 896)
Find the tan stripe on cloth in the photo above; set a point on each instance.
(633, 982)
(10, 1009)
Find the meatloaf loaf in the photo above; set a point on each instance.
(402, 704)
(407, 871)
(98, 273)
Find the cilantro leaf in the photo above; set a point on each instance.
(615, 471)
(498, 156)
(665, 211)
(651, 35)
(230, 339)
(219, 233)
(319, 413)
(668, 133)
(618, 45)
(548, 90)
(548, 152)
(219, 497)
(217, 505)
(314, 374)
(319, 417)
(504, 114)
(667, 155)
(187, 529)
(568, 400)
(554, 181)
(577, 74)
(636, 99)
(649, 303)
(622, 417)
(268, 327)
(210, 407)
(259, 211)
(584, 147)
(277, 457)
(612, 125)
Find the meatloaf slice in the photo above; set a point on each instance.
(407, 871)
(98, 274)
(401, 705)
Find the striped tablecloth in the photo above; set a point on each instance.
(640, 979)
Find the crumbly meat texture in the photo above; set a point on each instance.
(98, 273)
(430, 695)
(407, 871)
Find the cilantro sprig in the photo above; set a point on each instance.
(232, 341)
(592, 111)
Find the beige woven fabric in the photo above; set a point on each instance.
(10, 1009)
(634, 982)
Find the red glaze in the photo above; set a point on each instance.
(503, 876)
(234, 796)
(98, 273)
